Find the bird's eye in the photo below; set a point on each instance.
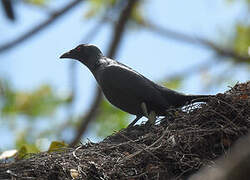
(78, 48)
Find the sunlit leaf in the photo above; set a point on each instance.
(41, 102)
(98, 7)
(231, 1)
(110, 119)
(95, 8)
(242, 39)
(137, 14)
(57, 146)
(37, 2)
(22, 152)
(174, 83)
(27, 149)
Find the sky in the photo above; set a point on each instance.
(36, 61)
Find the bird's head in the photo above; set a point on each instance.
(85, 53)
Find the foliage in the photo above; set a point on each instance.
(41, 102)
(100, 7)
(246, 1)
(37, 2)
(242, 38)
(57, 146)
(174, 83)
(110, 119)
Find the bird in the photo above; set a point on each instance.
(127, 89)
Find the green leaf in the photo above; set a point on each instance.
(57, 146)
(27, 149)
(37, 2)
(137, 14)
(242, 39)
(110, 119)
(232, 1)
(174, 83)
(41, 102)
(96, 6)
(22, 152)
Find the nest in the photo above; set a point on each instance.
(174, 148)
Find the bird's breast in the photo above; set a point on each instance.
(119, 92)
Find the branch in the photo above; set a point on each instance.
(196, 41)
(205, 64)
(8, 9)
(185, 38)
(119, 30)
(39, 27)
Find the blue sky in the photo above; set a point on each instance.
(36, 61)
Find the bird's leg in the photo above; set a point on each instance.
(151, 116)
(145, 112)
(134, 121)
(144, 109)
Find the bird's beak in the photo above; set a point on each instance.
(66, 55)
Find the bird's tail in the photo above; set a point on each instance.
(197, 98)
(177, 99)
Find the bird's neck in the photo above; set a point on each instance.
(95, 66)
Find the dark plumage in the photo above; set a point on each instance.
(126, 88)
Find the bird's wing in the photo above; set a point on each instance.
(127, 82)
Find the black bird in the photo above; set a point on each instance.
(127, 89)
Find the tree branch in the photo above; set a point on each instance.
(196, 41)
(119, 30)
(8, 9)
(191, 70)
(39, 27)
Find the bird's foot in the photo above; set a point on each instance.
(151, 118)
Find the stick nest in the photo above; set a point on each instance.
(175, 147)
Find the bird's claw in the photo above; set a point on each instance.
(151, 116)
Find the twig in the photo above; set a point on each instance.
(8, 9)
(206, 63)
(140, 148)
(148, 147)
(74, 152)
(192, 40)
(39, 27)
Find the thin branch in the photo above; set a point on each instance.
(119, 30)
(35, 30)
(185, 38)
(95, 29)
(165, 32)
(189, 71)
(7, 6)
